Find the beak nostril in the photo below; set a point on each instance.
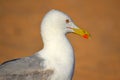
(84, 31)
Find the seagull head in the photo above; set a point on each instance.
(58, 22)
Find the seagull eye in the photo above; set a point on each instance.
(67, 21)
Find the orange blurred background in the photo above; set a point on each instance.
(96, 59)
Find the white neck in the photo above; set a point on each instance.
(57, 46)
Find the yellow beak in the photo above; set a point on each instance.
(82, 32)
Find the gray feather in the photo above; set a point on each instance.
(28, 68)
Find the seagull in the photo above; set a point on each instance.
(55, 61)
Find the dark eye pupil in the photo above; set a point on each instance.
(67, 21)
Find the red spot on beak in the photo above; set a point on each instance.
(86, 36)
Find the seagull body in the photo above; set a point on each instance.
(55, 61)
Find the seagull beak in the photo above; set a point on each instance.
(81, 32)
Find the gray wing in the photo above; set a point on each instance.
(28, 68)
